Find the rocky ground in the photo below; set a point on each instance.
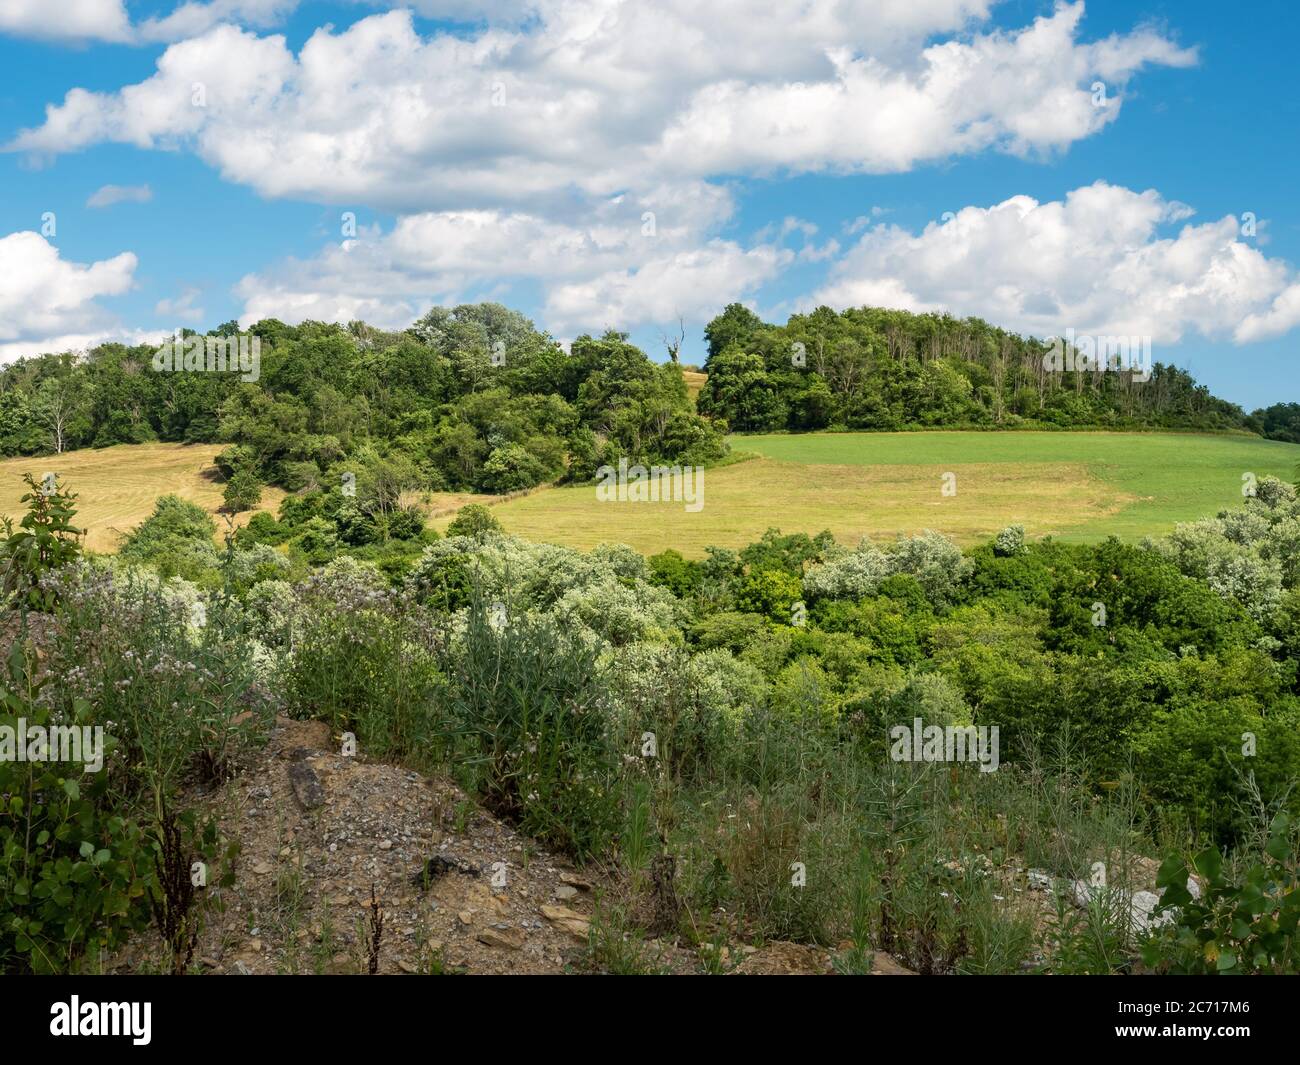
(458, 890)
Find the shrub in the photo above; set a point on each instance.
(1241, 924)
(475, 520)
(169, 668)
(405, 523)
(670, 570)
(173, 519)
(511, 468)
(243, 491)
(1010, 541)
(529, 712)
(44, 541)
(363, 660)
(73, 872)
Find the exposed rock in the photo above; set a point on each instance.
(883, 964)
(1039, 880)
(440, 865)
(307, 788)
(1141, 905)
(786, 959)
(506, 939)
(576, 924)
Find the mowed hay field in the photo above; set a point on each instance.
(694, 382)
(1075, 486)
(118, 486)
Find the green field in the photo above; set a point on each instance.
(1168, 477)
(1075, 486)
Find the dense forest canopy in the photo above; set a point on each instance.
(476, 398)
(871, 368)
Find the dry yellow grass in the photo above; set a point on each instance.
(118, 486)
(743, 500)
(694, 382)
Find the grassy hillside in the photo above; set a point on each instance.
(694, 382)
(118, 485)
(1164, 478)
(1076, 486)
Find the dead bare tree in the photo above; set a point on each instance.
(674, 344)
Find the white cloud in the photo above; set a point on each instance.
(183, 308)
(596, 97)
(613, 269)
(68, 20)
(1281, 316)
(48, 303)
(192, 18)
(80, 21)
(107, 195)
(1100, 261)
(530, 150)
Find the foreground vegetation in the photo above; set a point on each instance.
(715, 731)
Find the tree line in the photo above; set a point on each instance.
(476, 398)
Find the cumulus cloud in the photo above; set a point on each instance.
(107, 195)
(622, 268)
(192, 18)
(48, 303)
(603, 96)
(77, 21)
(184, 307)
(532, 148)
(69, 20)
(1103, 260)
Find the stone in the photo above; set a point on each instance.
(883, 964)
(505, 939)
(306, 785)
(1039, 880)
(567, 920)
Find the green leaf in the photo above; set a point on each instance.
(1209, 863)
(1172, 871)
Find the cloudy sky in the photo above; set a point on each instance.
(1117, 167)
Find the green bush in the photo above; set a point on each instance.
(45, 540)
(242, 492)
(474, 520)
(1243, 923)
(74, 873)
(363, 660)
(529, 710)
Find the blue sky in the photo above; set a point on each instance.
(520, 158)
